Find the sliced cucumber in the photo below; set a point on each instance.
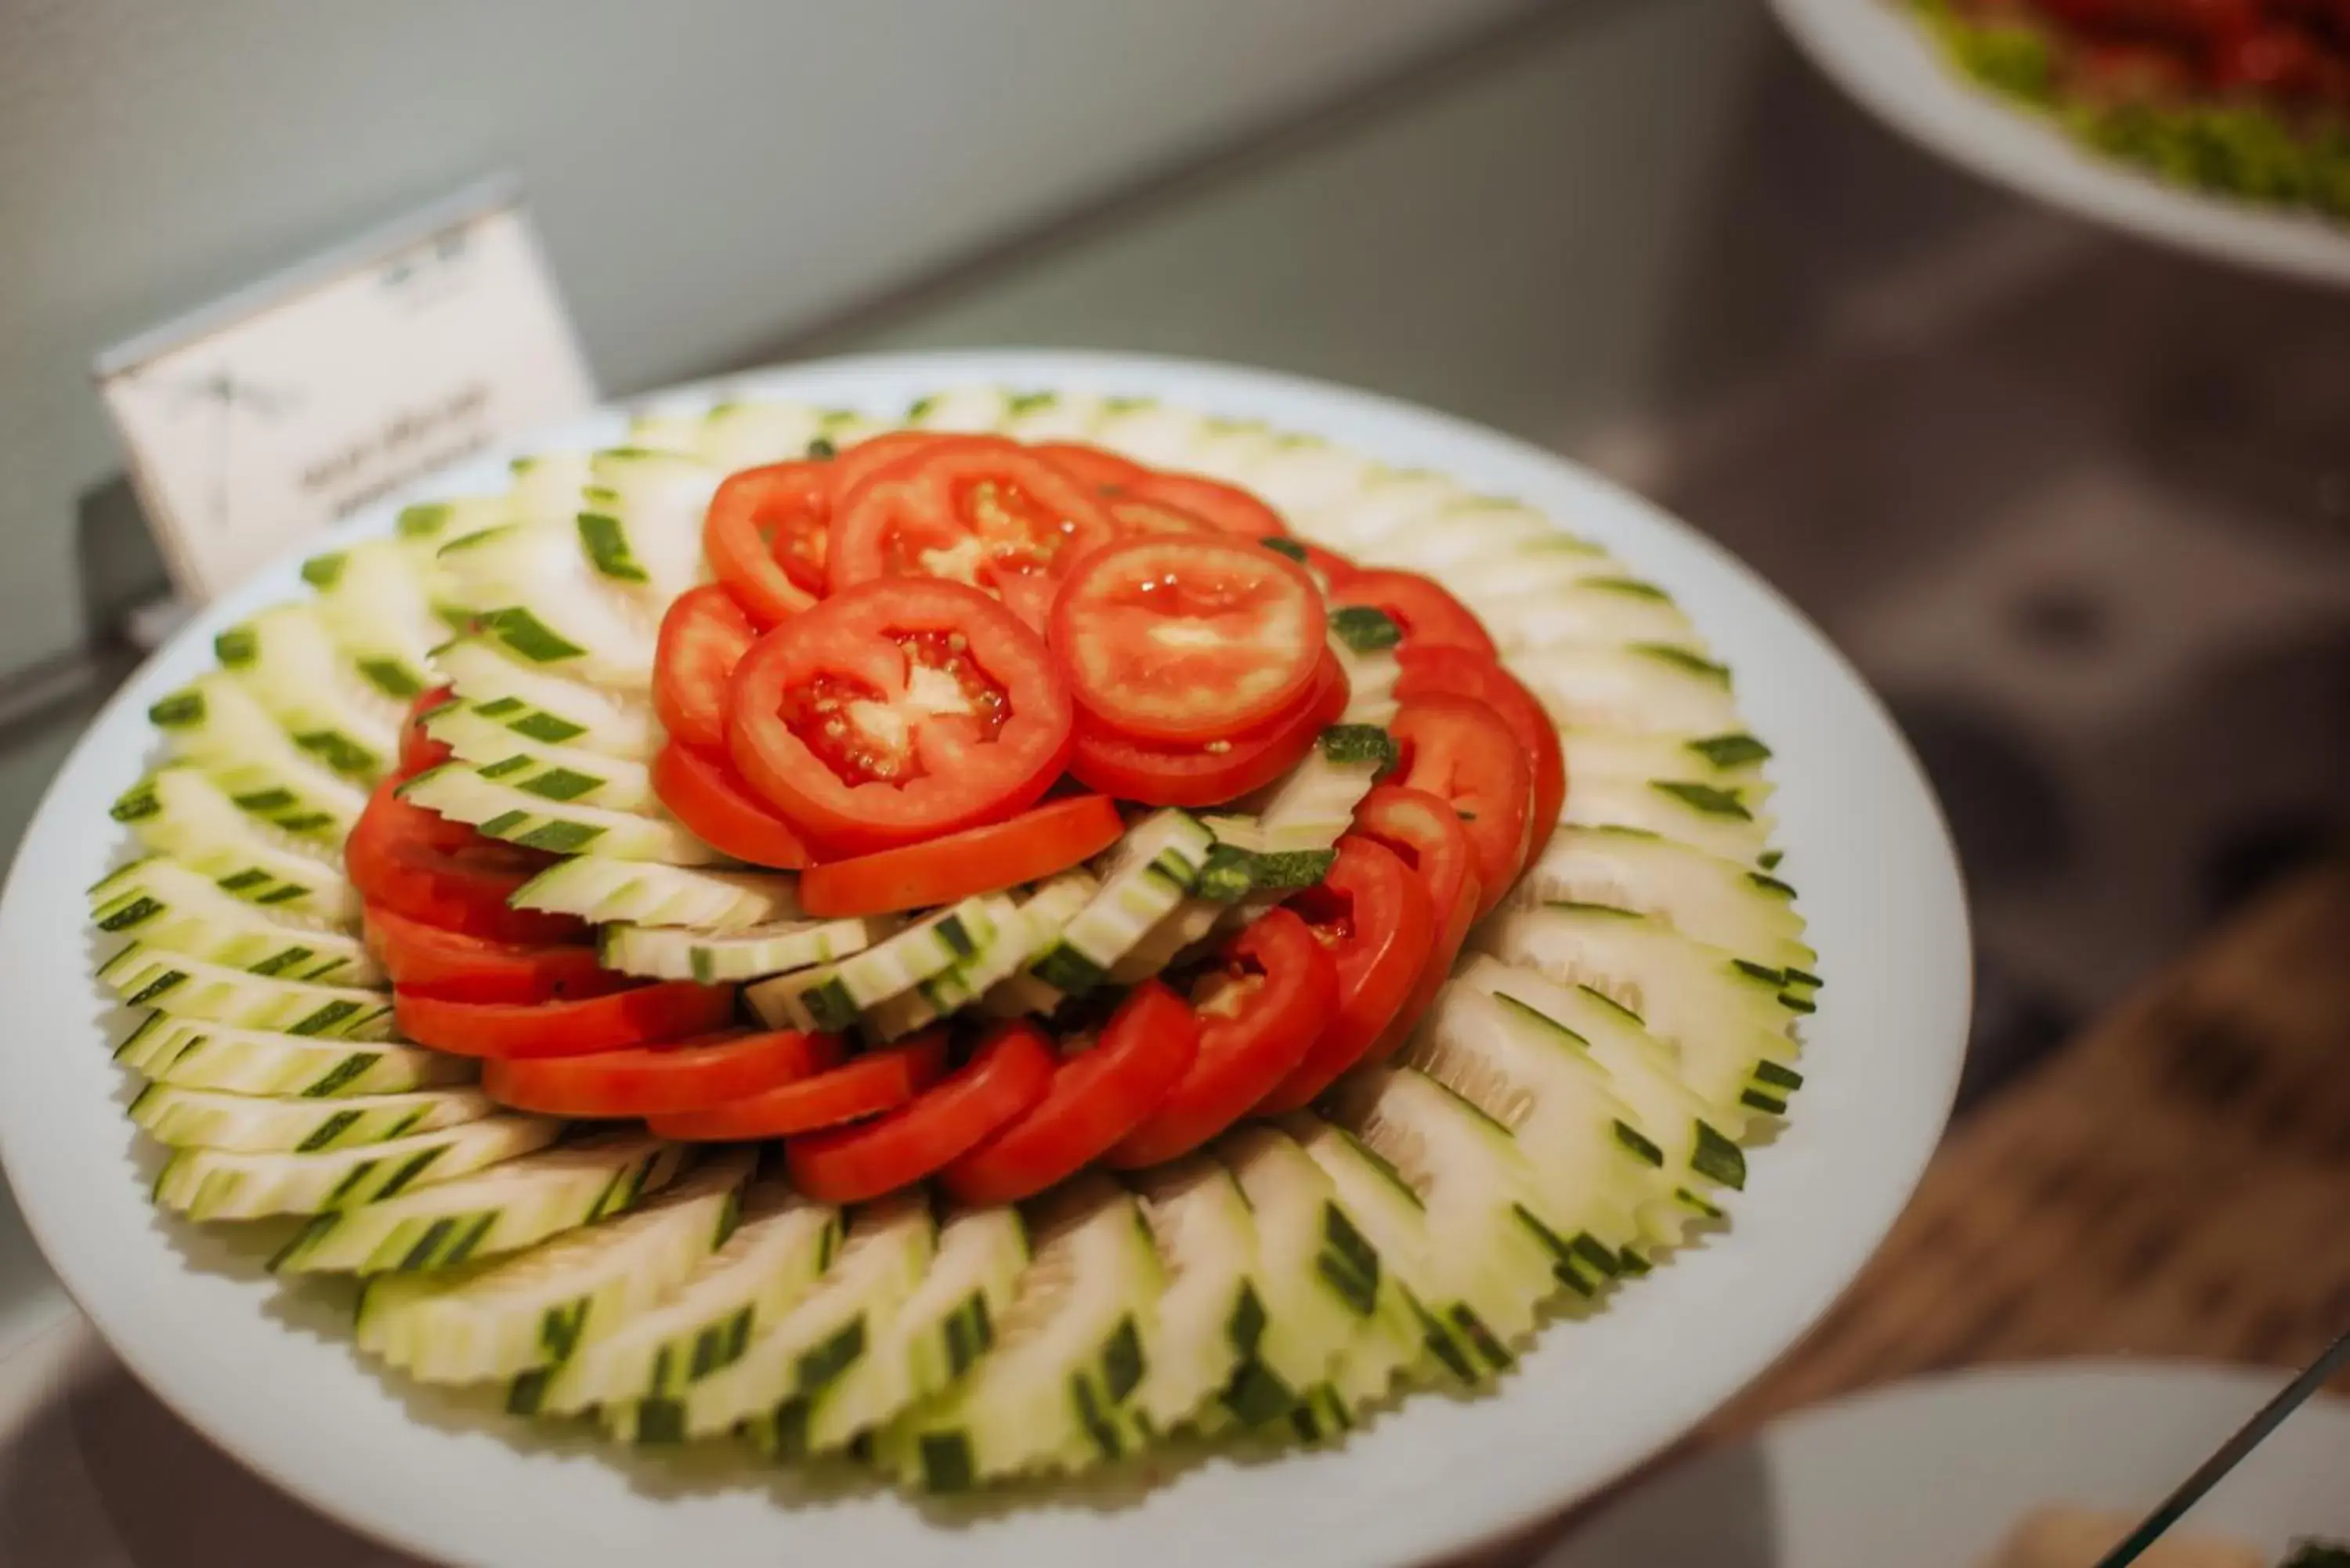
(191, 988)
(506, 1316)
(1190, 922)
(1149, 432)
(374, 601)
(1008, 945)
(179, 810)
(462, 795)
(641, 517)
(1557, 563)
(1640, 687)
(1727, 822)
(493, 1211)
(752, 435)
(191, 1053)
(535, 594)
(830, 996)
(1303, 477)
(556, 773)
(215, 723)
(1210, 1317)
(254, 1124)
(1730, 760)
(1311, 808)
(1053, 416)
(1364, 641)
(1468, 529)
(968, 410)
(604, 889)
(1143, 878)
(1597, 610)
(1383, 501)
(553, 709)
(286, 659)
(221, 1184)
(166, 905)
(757, 952)
(1723, 902)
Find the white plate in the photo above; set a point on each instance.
(273, 1379)
(1879, 55)
(1934, 1474)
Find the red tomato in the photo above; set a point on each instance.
(1461, 751)
(1374, 916)
(1329, 567)
(430, 961)
(1052, 838)
(766, 534)
(1426, 614)
(861, 1086)
(1227, 506)
(1187, 639)
(406, 859)
(1099, 1095)
(857, 463)
(654, 1080)
(1424, 833)
(704, 637)
(671, 1009)
(1009, 1073)
(1213, 772)
(703, 792)
(1092, 465)
(1259, 1014)
(972, 509)
(1154, 517)
(1429, 671)
(418, 750)
(898, 710)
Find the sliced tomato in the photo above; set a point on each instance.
(1034, 845)
(704, 637)
(1429, 671)
(1461, 751)
(1426, 835)
(1374, 915)
(1208, 772)
(856, 464)
(418, 750)
(978, 510)
(702, 791)
(766, 535)
(413, 862)
(431, 961)
(896, 710)
(861, 1086)
(669, 1010)
(1259, 1012)
(1099, 1095)
(1426, 614)
(1329, 567)
(690, 1074)
(1008, 1074)
(1188, 638)
(1227, 507)
(1093, 465)
(1136, 516)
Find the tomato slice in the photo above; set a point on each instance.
(703, 792)
(766, 534)
(1426, 835)
(704, 637)
(861, 1086)
(1329, 567)
(668, 1009)
(418, 750)
(1461, 751)
(1098, 1096)
(1426, 614)
(978, 510)
(1188, 638)
(413, 862)
(1227, 507)
(1009, 1073)
(1259, 1014)
(1208, 772)
(1092, 465)
(1374, 915)
(1052, 838)
(1136, 516)
(1428, 671)
(690, 1074)
(897, 710)
(856, 464)
(431, 961)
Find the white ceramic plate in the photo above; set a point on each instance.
(1878, 54)
(1934, 1474)
(273, 1378)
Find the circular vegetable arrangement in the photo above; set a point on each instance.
(951, 945)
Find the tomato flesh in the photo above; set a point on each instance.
(1427, 615)
(1093, 465)
(704, 637)
(856, 464)
(1029, 847)
(1225, 507)
(418, 749)
(689, 1075)
(668, 1009)
(1208, 772)
(1009, 1073)
(1374, 915)
(864, 1085)
(1429, 836)
(1461, 751)
(1429, 671)
(702, 791)
(436, 872)
(430, 961)
(766, 534)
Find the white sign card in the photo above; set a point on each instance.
(255, 422)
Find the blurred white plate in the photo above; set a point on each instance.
(1878, 53)
(271, 1375)
(1934, 1474)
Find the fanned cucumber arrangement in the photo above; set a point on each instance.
(1575, 1104)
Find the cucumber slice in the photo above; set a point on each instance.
(191, 988)
(215, 723)
(1364, 641)
(222, 1184)
(1555, 563)
(925, 1003)
(1192, 922)
(251, 1124)
(165, 905)
(1463, 531)
(1149, 432)
(830, 996)
(640, 519)
(1724, 822)
(191, 1053)
(1047, 915)
(1142, 880)
(752, 435)
(1229, 450)
(1723, 902)
(1303, 477)
(1730, 760)
(1641, 686)
(1054, 416)
(489, 1212)
(538, 597)
(374, 602)
(286, 659)
(179, 810)
(752, 954)
(1210, 1317)
(1621, 608)
(511, 1315)
(779, 1249)
(556, 773)
(1313, 806)
(547, 486)
(967, 411)
(603, 889)
(537, 705)
(788, 1372)
(1383, 501)
(568, 827)
(1069, 1353)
